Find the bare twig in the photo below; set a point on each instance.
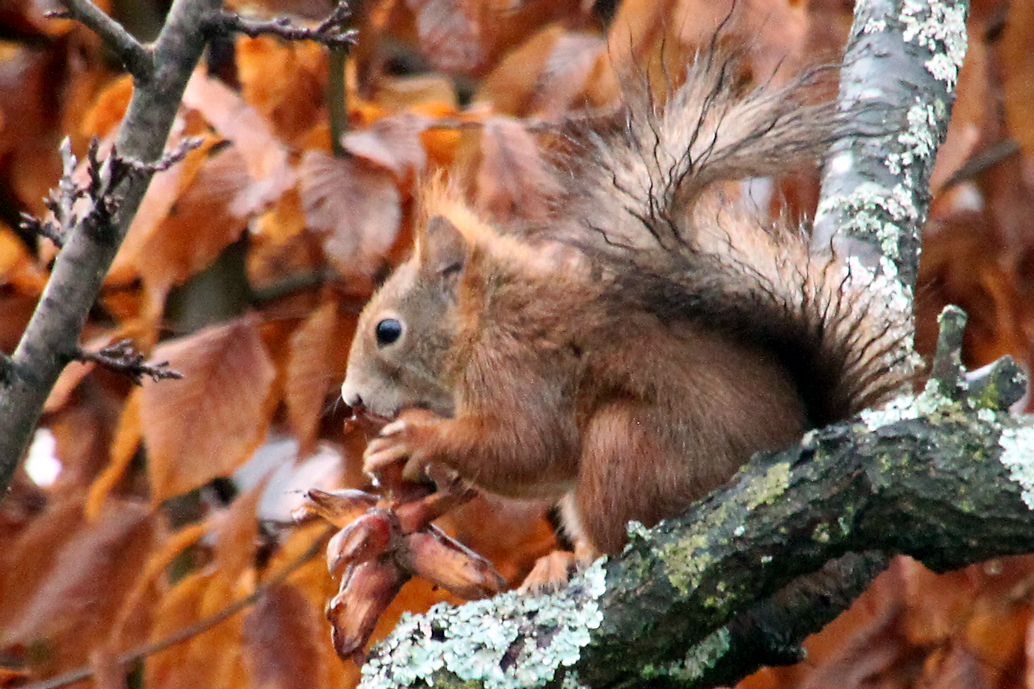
(331, 32)
(91, 205)
(137, 58)
(981, 161)
(192, 630)
(122, 357)
(170, 157)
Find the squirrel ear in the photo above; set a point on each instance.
(441, 249)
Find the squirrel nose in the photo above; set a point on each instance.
(351, 396)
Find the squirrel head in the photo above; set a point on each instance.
(398, 354)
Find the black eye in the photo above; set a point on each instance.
(388, 331)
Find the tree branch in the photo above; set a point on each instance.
(331, 32)
(122, 357)
(136, 58)
(54, 329)
(875, 189)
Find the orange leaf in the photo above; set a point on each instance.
(393, 142)
(211, 421)
(547, 76)
(286, 83)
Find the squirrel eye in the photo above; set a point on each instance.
(388, 330)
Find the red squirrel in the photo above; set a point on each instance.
(625, 356)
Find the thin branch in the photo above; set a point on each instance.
(337, 96)
(331, 32)
(981, 161)
(94, 235)
(136, 58)
(122, 357)
(199, 627)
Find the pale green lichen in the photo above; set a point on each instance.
(1017, 443)
(504, 642)
(689, 555)
(700, 657)
(940, 28)
(918, 141)
(872, 211)
(874, 25)
(906, 407)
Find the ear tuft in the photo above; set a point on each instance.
(441, 249)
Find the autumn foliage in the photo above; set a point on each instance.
(165, 547)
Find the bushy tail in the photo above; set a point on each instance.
(644, 193)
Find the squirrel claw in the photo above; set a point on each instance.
(382, 453)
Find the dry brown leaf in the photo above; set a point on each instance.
(192, 664)
(195, 232)
(108, 673)
(26, 561)
(211, 421)
(355, 206)
(393, 142)
(83, 432)
(410, 91)
(995, 632)
(123, 448)
(30, 111)
(237, 539)
(72, 608)
(203, 661)
(264, 156)
(162, 192)
(453, 33)
(139, 603)
(109, 109)
(282, 639)
(547, 77)
(315, 368)
(17, 268)
(505, 170)
(937, 606)
(773, 33)
(467, 36)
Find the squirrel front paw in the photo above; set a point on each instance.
(404, 438)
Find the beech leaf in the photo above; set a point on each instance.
(212, 420)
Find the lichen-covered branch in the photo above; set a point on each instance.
(898, 79)
(52, 336)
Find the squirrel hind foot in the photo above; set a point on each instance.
(551, 573)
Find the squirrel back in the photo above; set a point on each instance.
(628, 355)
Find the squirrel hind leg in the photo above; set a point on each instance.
(553, 571)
